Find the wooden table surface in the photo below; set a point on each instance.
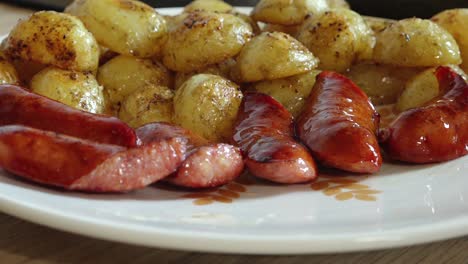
(24, 242)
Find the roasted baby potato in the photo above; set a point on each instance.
(416, 42)
(124, 26)
(421, 89)
(271, 56)
(292, 91)
(146, 105)
(208, 5)
(248, 19)
(222, 69)
(290, 30)
(204, 38)
(287, 12)
(378, 24)
(73, 88)
(382, 83)
(207, 104)
(123, 75)
(455, 21)
(8, 74)
(55, 39)
(339, 38)
(338, 4)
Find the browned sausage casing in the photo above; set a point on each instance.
(339, 125)
(206, 165)
(436, 132)
(264, 131)
(22, 107)
(77, 164)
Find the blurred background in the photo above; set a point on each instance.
(384, 8)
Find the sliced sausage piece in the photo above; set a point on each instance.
(78, 164)
(339, 125)
(264, 131)
(21, 107)
(205, 166)
(436, 132)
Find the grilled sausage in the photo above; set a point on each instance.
(264, 131)
(339, 125)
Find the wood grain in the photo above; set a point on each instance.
(26, 243)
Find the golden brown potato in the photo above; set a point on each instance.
(339, 38)
(76, 89)
(207, 104)
(147, 105)
(27, 69)
(378, 24)
(292, 91)
(208, 5)
(222, 69)
(271, 56)
(287, 12)
(421, 89)
(56, 39)
(204, 38)
(382, 83)
(338, 4)
(124, 26)
(290, 30)
(8, 74)
(248, 19)
(123, 75)
(455, 21)
(416, 42)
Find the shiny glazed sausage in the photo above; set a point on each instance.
(22, 107)
(339, 125)
(206, 165)
(76, 164)
(436, 132)
(264, 131)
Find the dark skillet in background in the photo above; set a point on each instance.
(389, 8)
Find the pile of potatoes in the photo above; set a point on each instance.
(123, 58)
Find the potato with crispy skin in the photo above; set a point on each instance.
(455, 21)
(8, 74)
(416, 42)
(287, 12)
(56, 39)
(271, 56)
(75, 89)
(148, 104)
(207, 104)
(124, 26)
(339, 38)
(208, 5)
(291, 92)
(382, 83)
(222, 69)
(199, 39)
(123, 75)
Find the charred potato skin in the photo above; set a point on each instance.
(147, 105)
(55, 39)
(208, 105)
(73, 88)
(123, 75)
(292, 92)
(455, 22)
(271, 56)
(125, 26)
(287, 12)
(199, 39)
(416, 42)
(339, 38)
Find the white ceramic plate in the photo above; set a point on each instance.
(402, 205)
